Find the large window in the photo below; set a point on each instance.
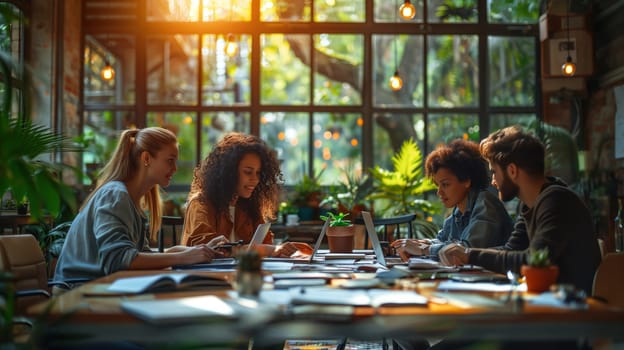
(12, 48)
(310, 76)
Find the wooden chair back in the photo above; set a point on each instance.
(609, 280)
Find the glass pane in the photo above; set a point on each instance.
(287, 133)
(452, 11)
(233, 10)
(172, 10)
(183, 125)
(339, 68)
(388, 11)
(499, 121)
(513, 11)
(402, 53)
(285, 11)
(511, 71)
(225, 80)
(390, 130)
(172, 69)
(337, 145)
(285, 70)
(453, 71)
(100, 135)
(339, 11)
(443, 128)
(116, 51)
(216, 124)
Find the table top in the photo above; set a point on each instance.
(103, 315)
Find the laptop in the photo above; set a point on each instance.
(259, 235)
(374, 239)
(231, 262)
(315, 249)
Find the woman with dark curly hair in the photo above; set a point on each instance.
(235, 189)
(479, 218)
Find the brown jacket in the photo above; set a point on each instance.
(201, 224)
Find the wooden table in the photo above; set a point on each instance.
(16, 221)
(101, 318)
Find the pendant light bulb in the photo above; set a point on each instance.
(231, 46)
(407, 11)
(569, 68)
(396, 83)
(108, 72)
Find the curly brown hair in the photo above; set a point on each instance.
(463, 159)
(218, 176)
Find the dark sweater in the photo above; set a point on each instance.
(560, 221)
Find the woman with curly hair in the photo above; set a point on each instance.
(235, 189)
(479, 218)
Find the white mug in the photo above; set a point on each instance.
(292, 219)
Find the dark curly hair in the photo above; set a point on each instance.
(463, 159)
(218, 175)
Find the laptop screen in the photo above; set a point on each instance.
(372, 235)
(259, 235)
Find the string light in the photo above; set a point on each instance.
(568, 68)
(407, 11)
(108, 72)
(396, 83)
(231, 46)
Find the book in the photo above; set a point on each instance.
(165, 283)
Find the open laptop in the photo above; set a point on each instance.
(374, 239)
(230, 263)
(315, 249)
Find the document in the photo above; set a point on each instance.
(165, 283)
(193, 309)
(356, 297)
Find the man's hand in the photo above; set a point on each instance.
(410, 247)
(454, 255)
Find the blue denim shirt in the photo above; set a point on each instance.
(485, 223)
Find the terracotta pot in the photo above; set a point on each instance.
(340, 239)
(539, 279)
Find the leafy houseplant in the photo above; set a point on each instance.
(539, 272)
(336, 220)
(307, 196)
(340, 233)
(401, 190)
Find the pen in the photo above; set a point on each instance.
(230, 244)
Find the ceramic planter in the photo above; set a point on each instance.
(340, 239)
(539, 279)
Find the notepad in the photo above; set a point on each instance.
(165, 283)
(356, 297)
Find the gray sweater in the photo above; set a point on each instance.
(104, 237)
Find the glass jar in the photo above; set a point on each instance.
(249, 277)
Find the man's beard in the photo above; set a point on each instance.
(507, 190)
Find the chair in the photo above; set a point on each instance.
(394, 222)
(173, 222)
(22, 257)
(608, 281)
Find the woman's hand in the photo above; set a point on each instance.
(200, 253)
(217, 241)
(285, 250)
(406, 248)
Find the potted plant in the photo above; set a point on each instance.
(538, 272)
(307, 196)
(339, 233)
(401, 190)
